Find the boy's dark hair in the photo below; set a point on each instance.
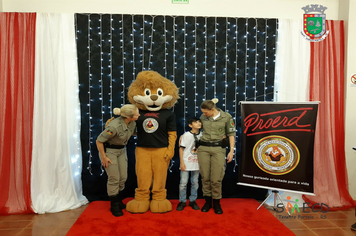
(193, 119)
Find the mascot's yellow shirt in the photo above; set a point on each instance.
(153, 128)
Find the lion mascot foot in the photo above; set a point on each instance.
(161, 206)
(135, 206)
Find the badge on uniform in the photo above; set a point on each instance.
(109, 132)
(232, 122)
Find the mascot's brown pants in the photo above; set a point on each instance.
(151, 165)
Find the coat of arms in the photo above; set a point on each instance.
(314, 23)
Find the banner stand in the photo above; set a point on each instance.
(276, 194)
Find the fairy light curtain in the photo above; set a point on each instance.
(231, 59)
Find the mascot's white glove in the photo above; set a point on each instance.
(172, 137)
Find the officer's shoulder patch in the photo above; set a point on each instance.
(232, 122)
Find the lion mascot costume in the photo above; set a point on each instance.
(153, 94)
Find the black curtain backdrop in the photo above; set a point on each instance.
(231, 59)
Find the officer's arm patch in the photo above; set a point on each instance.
(232, 122)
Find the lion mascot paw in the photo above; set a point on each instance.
(154, 95)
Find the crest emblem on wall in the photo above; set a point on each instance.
(314, 23)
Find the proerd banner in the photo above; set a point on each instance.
(278, 145)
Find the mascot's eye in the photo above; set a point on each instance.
(159, 92)
(147, 92)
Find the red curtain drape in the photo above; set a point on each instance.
(327, 86)
(17, 66)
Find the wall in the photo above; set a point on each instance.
(283, 9)
(287, 9)
(350, 95)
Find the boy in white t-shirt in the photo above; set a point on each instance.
(189, 164)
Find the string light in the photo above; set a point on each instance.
(89, 108)
(111, 79)
(143, 43)
(236, 89)
(246, 55)
(101, 82)
(165, 47)
(101, 74)
(151, 43)
(265, 64)
(123, 60)
(76, 136)
(195, 67)
(205, 57)
(255, 74)
(226, 60)
(174, 67)
(215, 41)
(171, 163)
(185, 74)
(232, 67)
(133, 47)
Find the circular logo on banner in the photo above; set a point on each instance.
(276, 155)
(150, 125)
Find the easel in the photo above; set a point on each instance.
(276, 194)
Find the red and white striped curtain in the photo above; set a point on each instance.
(17, 77)
(327, 85)
(314, 71)
(39, 130)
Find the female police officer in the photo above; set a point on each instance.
(216, 124)
(114, 160)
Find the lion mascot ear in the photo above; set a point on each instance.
(153, 94)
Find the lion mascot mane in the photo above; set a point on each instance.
(153, 94)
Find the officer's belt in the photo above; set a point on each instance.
(210, 144)
(114, 146)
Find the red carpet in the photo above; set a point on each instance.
(240, 217)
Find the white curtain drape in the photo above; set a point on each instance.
(292, 63)
(291, 76)
(56, 155)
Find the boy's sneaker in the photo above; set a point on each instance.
(181, 206)
(353, 227)
(194, 205)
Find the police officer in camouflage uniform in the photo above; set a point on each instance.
(115, 136)
(216, 125)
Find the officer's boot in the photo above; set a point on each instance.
(217, 207)
(121, 204)
(115, 206)
(207, 205)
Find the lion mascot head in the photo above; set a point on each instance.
(153, 92)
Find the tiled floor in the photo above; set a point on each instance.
(56, 224)
(332, 223)
(53, 224)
